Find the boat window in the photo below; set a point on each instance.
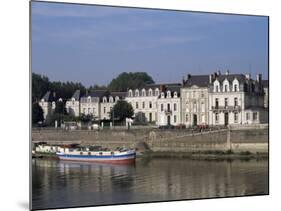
(89, 153)
(112, 153)
(100, 153)
(81, 153)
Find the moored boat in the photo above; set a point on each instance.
(118, 156)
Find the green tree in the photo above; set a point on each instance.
(122, 110)
(129, 80)
(40, 85)
(37, 113)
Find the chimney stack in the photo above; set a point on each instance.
(248, 76)
(227, 72)
(210, 78)
(259, 78)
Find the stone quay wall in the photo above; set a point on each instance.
(252, 140)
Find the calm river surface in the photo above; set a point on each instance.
(62, 184)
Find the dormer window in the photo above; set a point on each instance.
(143, 93)
(157, 92)
(216, 86)
(116, 98)
(162, 95)
(130, 93)
(89, 99)
(168, 94)
(225, 86)
(137, 93)
(150, 92)
(235, 86)
(104, 100)
(175, 94)
(111, 99)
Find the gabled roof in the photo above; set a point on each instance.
(49, 97)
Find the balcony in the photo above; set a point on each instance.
(168, 111)
(226, 108)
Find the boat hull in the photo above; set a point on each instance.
(115, 159)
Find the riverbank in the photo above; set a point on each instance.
(163, 141)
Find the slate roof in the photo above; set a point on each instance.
(265, 83)
(105, 93)
(198, 80)
(49, 97)
(76, 95)
(240, 77)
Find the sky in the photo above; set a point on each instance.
(93, 44)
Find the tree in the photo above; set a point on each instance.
(37, 113)
(122, 110)
(130, 80)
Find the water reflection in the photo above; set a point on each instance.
(62, 183)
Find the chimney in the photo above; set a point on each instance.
(259, 78)
(183, 80)
(210, 78)
(248, 76)
(188, 76)
(162, 88)
(227, 72)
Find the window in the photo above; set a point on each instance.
(104, 110)
(157, 92)
(137, 93)
(235, 102)
(168, 107)
(84, 110)
(150, 104)
(225, 102)
(202, 107)
(175, 118)
(150, 92)
(235, 88)
(116, 98)
(217, 88)
(162, 108)
(111, 99)
(130, 93)
(217, 102)
(175, 94)
(150, 117)
(217, 117)
(203, 118)
(168, 94)
(194, 107)
(110, 108)
(143, 104)
(137, 105)
(255, 116)
(186, 117)
(175, 106)
(225, 88)
(235, 117)
(89, 99)
(143, 92)
(104, 100)
(89, 110)
(247, 116)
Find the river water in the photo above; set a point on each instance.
(58, 184)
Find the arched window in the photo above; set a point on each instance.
(130, 93)
(175, 94)
(225, 86)
(143, 92)
(162, 95)
(104, 99)
(137, 93)
(111, 99)
(235, 85)
(156, 92)
(150, 92)
(89, 99)
(116, 98)
(216, 86)
(168, 94)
